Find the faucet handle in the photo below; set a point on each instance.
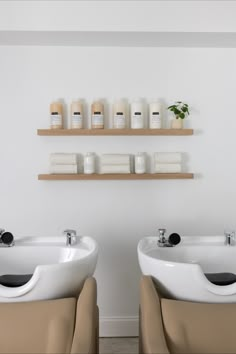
(162, 232)
(229, 233)
(69, 232)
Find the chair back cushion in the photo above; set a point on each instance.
(37, 327)
(199, 327)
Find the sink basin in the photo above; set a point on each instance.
(53, 270)
(183, 271)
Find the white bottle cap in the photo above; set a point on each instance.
(155, 100)
(137, 99)
(59, 100)
(97, 99)
(118, 100)
(89, 153)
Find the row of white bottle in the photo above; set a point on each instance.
(120, 115)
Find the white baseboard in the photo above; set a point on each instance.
(118, 326)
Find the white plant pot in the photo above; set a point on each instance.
(177, 123)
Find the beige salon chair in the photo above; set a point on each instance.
(171, 326)
(52, 326)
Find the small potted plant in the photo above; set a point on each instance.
(181, 111)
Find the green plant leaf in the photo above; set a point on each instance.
(177, 111)
(180, 109)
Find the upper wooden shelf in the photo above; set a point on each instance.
(71, 132)
(117, 176)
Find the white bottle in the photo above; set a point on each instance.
(89, 163)
(155, 115)
(76, 114)
(140, 163)
(56, 114)
(119, 115)
(137, 114)
(97, 115)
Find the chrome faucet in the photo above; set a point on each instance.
(70, 237)
(162, 238)
(163, 241)
(230, 238)
(173, 239)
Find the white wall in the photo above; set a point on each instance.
(128, 15)
(117, 213)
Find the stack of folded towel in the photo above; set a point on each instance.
(115, 163)
(167, 162)
(63, 163)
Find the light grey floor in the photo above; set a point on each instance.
(118, 345)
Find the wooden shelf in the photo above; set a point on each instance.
(86, 132)
(102, 177)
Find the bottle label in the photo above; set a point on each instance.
(137, 120)
(76, 120)
(155, 120)
(56, 119)
(119, 120)
(97, 119)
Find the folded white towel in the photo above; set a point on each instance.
(168, 157)
(167, 168)
(63, 159)
(115, 159)
(60, 169)
(114, 169)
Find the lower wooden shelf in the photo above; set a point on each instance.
(102, 177)
(71, 132)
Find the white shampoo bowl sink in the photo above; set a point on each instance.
(180, 270)
(57, 270)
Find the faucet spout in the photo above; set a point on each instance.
(70, 237)
(230, 237)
